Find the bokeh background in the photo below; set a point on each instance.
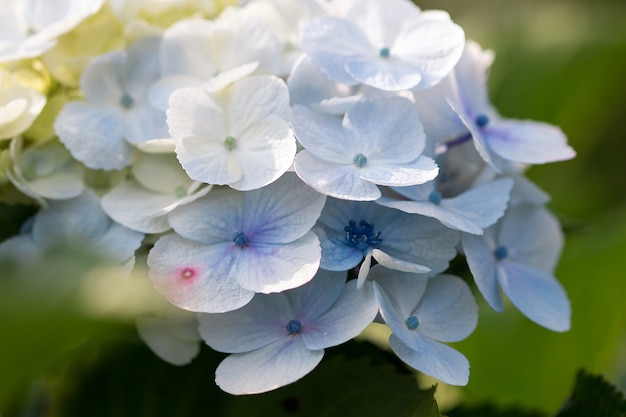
(559, 61)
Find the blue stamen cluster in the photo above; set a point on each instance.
(240, 239)
(412, 323)
(362, 236)
(501, 253)
(294, 326)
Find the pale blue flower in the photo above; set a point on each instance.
(350, 231)
(379, 142)
(389, 45)
(103, 130)
(518, 255)
(458, 110)
(77, 222)
(422, 313)
(230, 245)
(471, 211)
(276, 339)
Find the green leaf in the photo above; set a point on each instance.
(357, 379)
(593, 396)
(489, 410)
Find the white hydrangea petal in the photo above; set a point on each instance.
(471, 78)
(209, 220)
(186, 49)
(390, 74)
(208, 161)
(255, 98)
(194, 276)
(526, 192)
(387, 130)
(79, 220)
(353, 311)
(532, 235)
(315, 297)
(225, 78)
(422, 170)
(397, 292)
(143, 123)
(142, 66)
(322, 135)
(101, 80)
(193, 112)
(433, 45)
(308, 84)
(259, 323)
(163, 336)
(281, 217)
(268, 368)
(133, 206)
(536, 293)
(61, 185)
(336, 180)
(93, 136)
(264, 152)
(434, 359)
(160, 91)
(482, 205)
(269, 268)
(382, 21)
(398, 264)
(161, 173)
(448, 311)
(331, 42)
(119, 243)
(528, 141)
(481, 261)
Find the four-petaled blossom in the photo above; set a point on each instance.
(388, 45)
(518, 255)
(422, 313)
(379, 142)
(103, 130)
(350, 231)
(276, 339)
(238, 136)
(230, 245)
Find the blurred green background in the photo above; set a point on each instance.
(563, 62)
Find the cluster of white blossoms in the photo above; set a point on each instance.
(299, 169)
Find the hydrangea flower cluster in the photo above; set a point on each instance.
(299, 170)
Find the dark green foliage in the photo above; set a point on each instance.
(593, 396)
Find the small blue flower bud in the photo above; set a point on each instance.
(384, 52)
(435, 197)
(501, 252)
(127, 101)
(482, 120)
(240, 239)
(412, 323)
(294, 326)
(359, 160)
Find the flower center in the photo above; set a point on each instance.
(362, 236)
(501, 252)
(294, 326)
(412, 323)
(384, 52)
(482, 120)
(230, 143)
(127, 101)
(359, 160)
(240, 239)
(435, 197)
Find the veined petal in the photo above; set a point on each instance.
(480, 257)
(336, 255)
(420, 171)
(434, 359)
(93, 136)
(447, 312)
(268, 368)
(388, 74)
(194, 112)
(316, 296)
(528, 142)
(194, 276)
(353, 311)
(270, 268)
(536, 293)
(208, 161)
(259, 323)
(336, 180)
